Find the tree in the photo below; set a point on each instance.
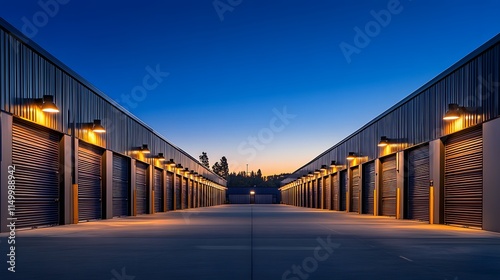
(221, 168)
(204, 160)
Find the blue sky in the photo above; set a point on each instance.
(234, 64)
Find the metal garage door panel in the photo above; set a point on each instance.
(178, 200)
(170, 191)
(343, 189)
(463, 186)
(141, 188)
(368, 187)
(35, 154)
(355, 189)
(195, 195)
(121, 185)
(89, 182)
(184, 193)
(389, 186)
(418, 184)
(336, 192)
(320, 194)
(328, 193)
(158, 189)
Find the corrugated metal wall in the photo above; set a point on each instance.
(419, 117)
(28, 72)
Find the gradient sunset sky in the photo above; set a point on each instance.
(233, 64)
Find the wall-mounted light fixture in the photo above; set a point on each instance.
(384, 141)
(317, 171)
(186, 171)
(160, 157)
(352, 156)
(454, 112)
(310, 174)
(143, 149)
(47, 104)
(170, 163)
(97, 127)
(252, 192)
(323, 167)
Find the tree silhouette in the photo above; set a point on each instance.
(221, 168)
(204, 160)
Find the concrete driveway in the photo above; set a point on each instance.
(240, 242)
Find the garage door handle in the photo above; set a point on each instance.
(56, 200)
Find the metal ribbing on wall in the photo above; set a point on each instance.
(35, 155)
(170, 191)
(355, 195)
(342, 190)
(463, 185)
(368, 187)
(121, 185)
(389, 186)
(141, 188)
(418, 184)
(158, 190)
(89, 182)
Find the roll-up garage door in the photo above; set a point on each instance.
(35, 155)
(336, 192)
(178, 201)
(355, 189)
(89, 182)
(170, 191)
(311, 194)
(368, 187)
(141, 188)
(314, 194)
(389, 186)
(191, 188)
(463, 184)
(184, 193)
(158, 189)
(320, 194)
(343, 190)
(418, 184)
(328, 193)
(195, 195)
(121, 186)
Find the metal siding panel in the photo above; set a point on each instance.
(121, 185)
(89, 182)
(463, 186)
(263, 199)
(35, 156)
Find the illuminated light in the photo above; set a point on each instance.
(252, 192)
(145, 149)
(310, 174)
(97, 127)
(317, 171)
(351, 156)
(323, 167)
(160, 157)
(48, 105)
(333, 164)
(453, 113)
(171, 163)
(384, 141)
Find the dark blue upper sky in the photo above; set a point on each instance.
(233, 64)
